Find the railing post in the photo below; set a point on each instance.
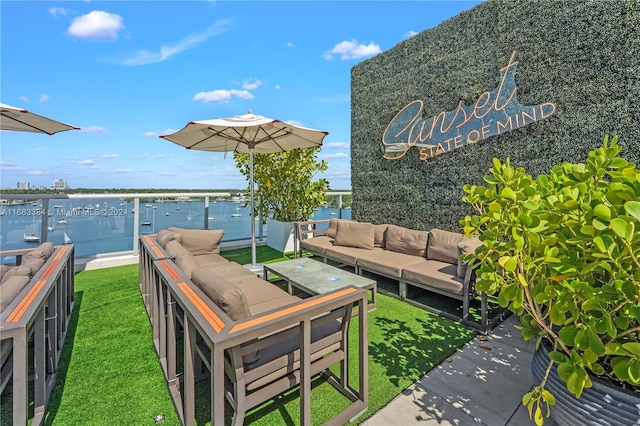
(136, 225)
(44, 220)
(206, 212)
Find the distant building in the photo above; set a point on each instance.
(59, 185)
(23, 185)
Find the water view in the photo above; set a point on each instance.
(107, 225)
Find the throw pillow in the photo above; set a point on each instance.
(44, 250)
(443, 246)
(355, 234)
(200, 241)
(404, 240)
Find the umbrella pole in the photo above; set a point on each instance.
(253, 212)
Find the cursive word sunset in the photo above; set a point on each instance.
(495, 112)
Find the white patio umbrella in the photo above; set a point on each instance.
(18, 119)
(246, 134)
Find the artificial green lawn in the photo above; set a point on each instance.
(109, 372)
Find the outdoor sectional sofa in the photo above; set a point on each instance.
(249, 337)
(424, 259)
(36, 302)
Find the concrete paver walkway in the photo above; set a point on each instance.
(483, 383)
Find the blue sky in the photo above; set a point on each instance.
(126, 72)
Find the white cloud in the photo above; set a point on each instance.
(43, 97)
(289, 44)
(36, 173)
(409, 34)
(250, 85)
(86, 162)
(337, 145)
(147, 156)
(145, 57)
(352, 50)
(58, 11)
(150, 134)
(24, 98)
(123, 170)
(97, 25)
(109, 156)
(277, 87)
(334, 156)
(222, 96)
(94, 130)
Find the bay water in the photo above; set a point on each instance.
(106, 225)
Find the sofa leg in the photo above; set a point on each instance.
(402, 290)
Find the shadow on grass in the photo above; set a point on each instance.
(264, 254)
(408, 352)
(63, 363)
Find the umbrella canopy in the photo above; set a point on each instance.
(246, 134)
(12, 118)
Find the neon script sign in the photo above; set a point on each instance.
(495, 112)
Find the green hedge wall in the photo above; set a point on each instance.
(581, 55)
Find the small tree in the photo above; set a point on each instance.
(562, 252)
(285, 189)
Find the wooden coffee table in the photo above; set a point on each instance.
(314, 277)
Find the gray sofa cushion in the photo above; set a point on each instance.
(317, 244)
(34, 264)
(43, 251)
(408, 241)
(186, 262)
(355, 234)
(228, 297)
(10, 288)
(386, 262)
(200, 241)
(174, 248)
(210, 259)
(443, 246)
(436, 274)
(164, 236)
(466, 246)
(378, 235)
(21, 271)
(333, 226)
(3, 270)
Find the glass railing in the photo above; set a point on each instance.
(112, 222)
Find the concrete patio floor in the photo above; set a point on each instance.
(483, 383)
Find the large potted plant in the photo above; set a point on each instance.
(286, 191)
(562, 252)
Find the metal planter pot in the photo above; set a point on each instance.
(602, 404)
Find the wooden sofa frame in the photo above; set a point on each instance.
(213, 344)
(36, 322)
(314, 228)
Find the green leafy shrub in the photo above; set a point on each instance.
(285, 189)
(562, 252)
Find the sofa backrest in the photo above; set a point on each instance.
(404, 240)
(443, 246)
(200, 241)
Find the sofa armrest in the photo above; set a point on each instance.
(308, 229)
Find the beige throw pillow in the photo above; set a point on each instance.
(355, 234)
(443, 246)
(200, 241)
(408, 241)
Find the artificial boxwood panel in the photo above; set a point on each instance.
(581, 55)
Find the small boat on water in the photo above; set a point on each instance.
(31, 237)
(237, 213)
(146, 223)
(62, 221)
(67, 240)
